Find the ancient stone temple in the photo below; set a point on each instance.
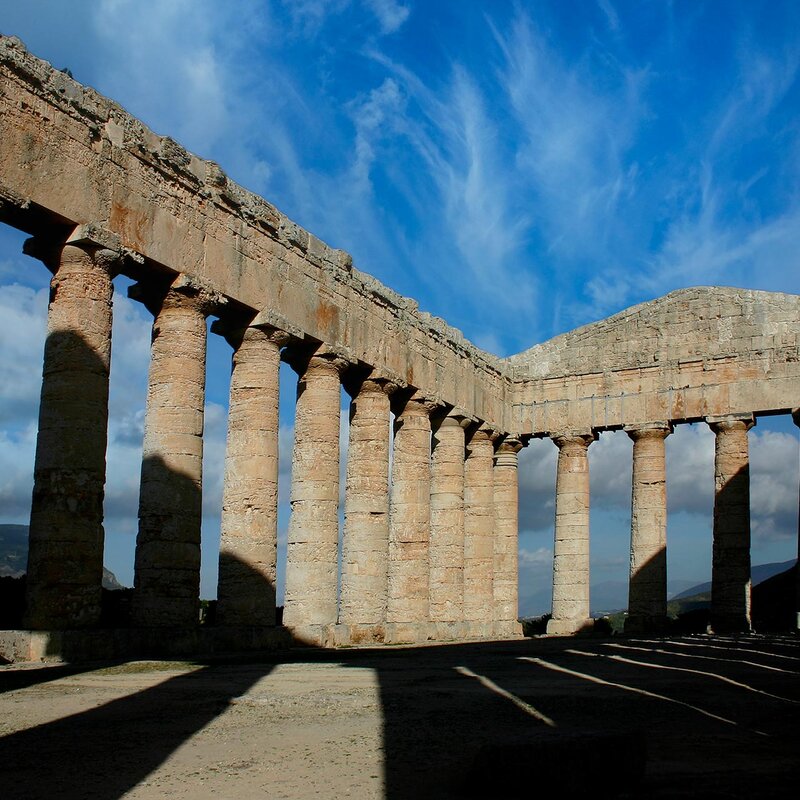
(428, 550)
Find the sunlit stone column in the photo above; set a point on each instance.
(647, 589)
(313, 540)
(506, 537)
(730, 565)
(65, 557)
(571, 549)
(249, 526)
(796, 418)
(447, 527)
(167, 564)
(409, 523)
(365, 542)
(478, 533)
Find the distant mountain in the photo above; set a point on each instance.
(758, 574)
(14, 555)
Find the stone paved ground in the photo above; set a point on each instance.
(718, 718)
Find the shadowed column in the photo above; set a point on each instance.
(647, 588)
(506, 537)
(249, 527)
(478, 533)
(167, 565)
(65, 557)
(408, 604)
(447, 527)
(365, 543)
(313, 538)
(796, 418)
(730, 565)
(571, 548)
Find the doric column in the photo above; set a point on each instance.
(447, 526)
(571, 549)
(478, 533)
(647, 589)
(796, 418)
(730, 564)
(167, 564)
(65, 557)
(313, 539)
(249, 526)
(365, 542)
(506, 537)
(407, 612)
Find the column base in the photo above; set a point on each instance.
(312, 635)
(450, 631)
(730, 623)
(645, 623)
(354, 634)
(408, 632)
(568, 627)
(508, 629)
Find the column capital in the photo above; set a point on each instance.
(451, 419)
(360, 378)
(509, 444)
(236, 329)
(731, 422)
(303, 357)
(183, 292)
(417, 404)
(103, 247)
(574, 440)
(651, 430)
(482, 432)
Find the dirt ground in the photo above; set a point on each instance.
(691, 717)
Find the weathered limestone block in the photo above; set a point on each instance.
(65, 558)
(313, 538)
(249, 527)
(365, 543)
(408, 605)
(479, 532)
(647, 589)
(506, 537)
(730, 564)
(447, 524)
(167, 564)
(571, 549)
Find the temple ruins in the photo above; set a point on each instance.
(429, 543)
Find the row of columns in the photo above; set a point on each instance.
(647, 597)
(428, 551)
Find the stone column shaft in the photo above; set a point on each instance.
(409, 524)
(506, 538)
(249, 527)
(313, 539)
(167, 565)
(65, 558)
(447, 524)
(730, 565)
(365, 544)
(647, 589)
(571, 550)
(478, 533)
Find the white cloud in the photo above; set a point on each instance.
(390, 14)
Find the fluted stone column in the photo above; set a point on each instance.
(313, 540)
(65, 557)
(249, 527)
(506, 538)
(571, 549)
(730, 565)
(478, 533)
(796, 418)
(447, 527)
(167, 564)
(647, 589)
(408, 605)
(365, 542)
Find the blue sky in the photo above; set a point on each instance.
(518, 168)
